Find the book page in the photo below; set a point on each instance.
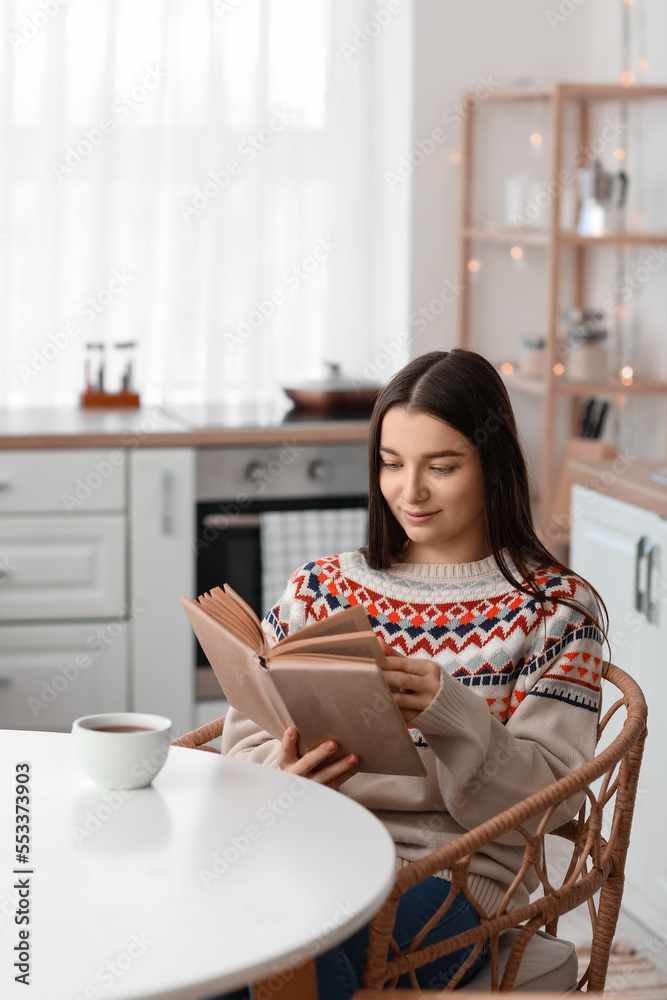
(235, 616)
(350, 620)
(362, 645)
(247, 685)
(349, 701)
(231, 593)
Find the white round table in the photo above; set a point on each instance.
(221, 873)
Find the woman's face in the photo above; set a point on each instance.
(431, 477)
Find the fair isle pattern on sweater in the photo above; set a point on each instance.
(486, 634)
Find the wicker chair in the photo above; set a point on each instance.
(198, 737)
(595, 863)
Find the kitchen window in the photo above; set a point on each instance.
(208, 178)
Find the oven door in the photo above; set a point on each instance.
(230, 546)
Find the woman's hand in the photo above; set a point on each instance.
(313, 764)
(414, 680)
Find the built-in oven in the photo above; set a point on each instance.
(264, 511)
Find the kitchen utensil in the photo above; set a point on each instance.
(603, 195)
(334, 393)
(586, 418)
(597, 424)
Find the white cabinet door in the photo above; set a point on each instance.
(62, 481)
(162, 561)
(62, 567)
(52, 674)
(622, 550)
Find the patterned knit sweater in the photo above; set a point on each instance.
(516, 709)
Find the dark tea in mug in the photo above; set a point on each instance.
(121, 729)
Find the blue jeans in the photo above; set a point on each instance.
(340, 970)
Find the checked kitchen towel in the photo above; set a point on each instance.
(290, 538)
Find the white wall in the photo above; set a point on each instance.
(458, 44)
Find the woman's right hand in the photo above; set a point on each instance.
(313, 764)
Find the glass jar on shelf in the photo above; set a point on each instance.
(587, 351)
(532, 355)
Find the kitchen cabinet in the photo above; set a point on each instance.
(52, 674)
(61, 567)
(622, 550)
(63, 611)
(557, 241)
(162, 568)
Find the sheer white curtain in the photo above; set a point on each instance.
(206, 179)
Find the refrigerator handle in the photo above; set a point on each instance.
(640, 552)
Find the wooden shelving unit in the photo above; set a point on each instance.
(554, 239)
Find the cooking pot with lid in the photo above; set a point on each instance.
(334, 393)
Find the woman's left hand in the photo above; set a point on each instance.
(417, 679)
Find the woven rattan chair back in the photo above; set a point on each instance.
(598, 842)
(198, 737)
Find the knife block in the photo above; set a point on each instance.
(578, 450)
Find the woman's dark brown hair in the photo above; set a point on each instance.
(465, 390)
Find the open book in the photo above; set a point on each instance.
(325, 680)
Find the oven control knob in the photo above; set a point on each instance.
(319, 471)
(255, 472)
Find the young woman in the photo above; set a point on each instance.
(494, 646)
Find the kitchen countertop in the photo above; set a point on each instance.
(623, 479)
(163, 426)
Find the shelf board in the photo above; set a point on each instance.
(542, 237)
(533, 237)
(611, 91)
(638, 387)
(517, 94)
(613, 239)
(574, 91)
(563, 387)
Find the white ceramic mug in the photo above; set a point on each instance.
(122, 749)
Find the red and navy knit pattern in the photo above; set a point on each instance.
(492, 638)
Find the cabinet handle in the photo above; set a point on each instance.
(651, 609)
(231, 521)
(640, 552)
(166, 489)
